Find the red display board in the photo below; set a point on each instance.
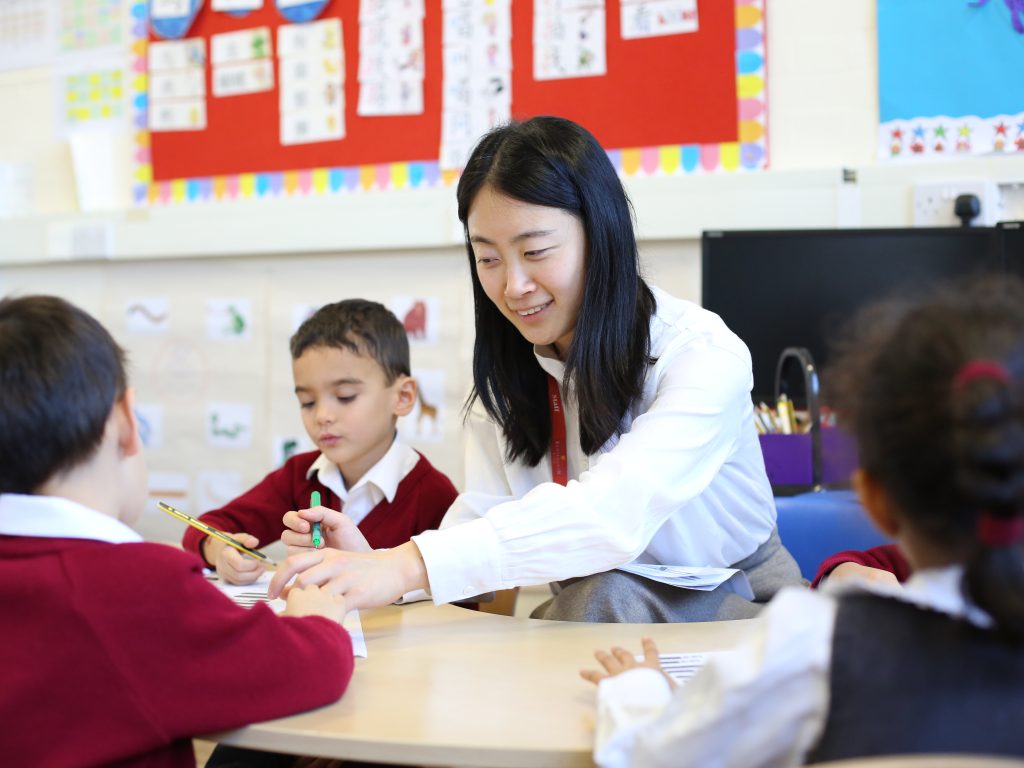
(676, 89)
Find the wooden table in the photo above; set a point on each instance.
(443, 686)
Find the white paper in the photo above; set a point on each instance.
(402, 96)
(391, 58)
(26, 33)
(242, 78)
(654, 18)
(177, 84)
(309, 39)
(244, 45)
(184, 115)
(15, 189)
(95, 159)
(169, 9)
(568, 39)
(177, 54)
(378, 9)
(96, 27)
(308, 127)
(476, 91)
(312, 92)
(302, 70)
(682, 667)
(236, 5)
(251, 594)
(703, 578)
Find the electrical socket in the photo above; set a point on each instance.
(933, 203)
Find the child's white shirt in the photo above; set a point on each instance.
(763, 704)
(54, 517)
(380, 481)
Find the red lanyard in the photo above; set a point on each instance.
(559, 461)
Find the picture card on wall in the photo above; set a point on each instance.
(229, 425)
(150, 418)
(652, 18)
(419, 316)
(425, 424)
(568, 39)
(229, 319)
(147, 314)
(286, 446)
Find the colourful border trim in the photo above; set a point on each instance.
(933, 137)
(749, 153)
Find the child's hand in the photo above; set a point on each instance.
(619, 660)
(315, 601)
(232, 565)
(852, 571)
(338, 530)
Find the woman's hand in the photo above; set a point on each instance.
(619, 660)
(365, 579)
(338, 530)
(230, 564)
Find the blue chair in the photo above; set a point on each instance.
(814, 526)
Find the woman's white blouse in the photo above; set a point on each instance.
(684, 485)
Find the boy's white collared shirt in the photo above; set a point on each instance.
(52, 517)
(380, 482)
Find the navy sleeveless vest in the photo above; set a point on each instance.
(909, 680)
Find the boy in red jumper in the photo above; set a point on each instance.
(350, 362)
(115, 650)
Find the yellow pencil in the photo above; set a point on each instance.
(185, 518)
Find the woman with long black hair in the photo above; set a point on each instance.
(609, 422)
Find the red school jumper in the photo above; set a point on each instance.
(421, 500)
(121, 653)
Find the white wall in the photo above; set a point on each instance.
(822, 118)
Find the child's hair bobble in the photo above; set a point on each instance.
(998, 532)
(976, 369)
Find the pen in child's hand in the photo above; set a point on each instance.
(314, 501)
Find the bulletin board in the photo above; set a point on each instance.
(691, 103)
(949, 78)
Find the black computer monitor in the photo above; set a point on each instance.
(1011, 238)
(794, 288)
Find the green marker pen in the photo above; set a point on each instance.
(314, 501)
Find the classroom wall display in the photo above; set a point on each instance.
(682, 91)
(26, 33)
(419, 315)
(425, 423)
(949, 78)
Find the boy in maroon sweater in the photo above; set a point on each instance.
(350, 363)
(115, 650)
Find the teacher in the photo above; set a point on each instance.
(609, 422)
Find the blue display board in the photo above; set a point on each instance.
(949, 77)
